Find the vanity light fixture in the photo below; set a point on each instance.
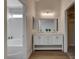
(48, 14)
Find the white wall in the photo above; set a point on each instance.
(29, 13)
(64, 5)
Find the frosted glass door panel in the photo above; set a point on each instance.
(15, 30)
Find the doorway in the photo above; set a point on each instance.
(71, 30)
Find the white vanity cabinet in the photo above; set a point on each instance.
(46, 35)
(48, 42)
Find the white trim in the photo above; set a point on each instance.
(29, 54)
(65, 34)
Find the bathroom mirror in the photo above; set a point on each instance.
(48, 25)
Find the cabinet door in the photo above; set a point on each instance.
(36, 40)
(55, 40)
(50, 40)
(59, 39)
(43, 40)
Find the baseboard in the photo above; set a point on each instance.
(29, 54)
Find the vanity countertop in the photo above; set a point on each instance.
(53, 33)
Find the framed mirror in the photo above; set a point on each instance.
(48, 25)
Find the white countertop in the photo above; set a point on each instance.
(48, 33)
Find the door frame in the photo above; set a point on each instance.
(66, 24)
(5, 29)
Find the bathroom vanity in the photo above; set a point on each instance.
(46, 35)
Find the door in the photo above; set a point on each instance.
(15, 49)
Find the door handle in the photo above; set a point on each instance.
(10, 37)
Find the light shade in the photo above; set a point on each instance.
(47, 14)
(15, 16)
